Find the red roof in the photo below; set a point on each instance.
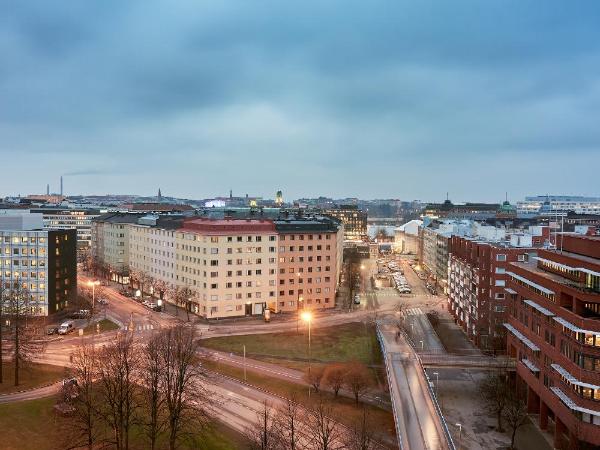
(228, 226)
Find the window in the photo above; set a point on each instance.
(500, 257)
(500, 283)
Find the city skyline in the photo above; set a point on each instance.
(403, 100)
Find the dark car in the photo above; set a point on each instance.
(52, 330)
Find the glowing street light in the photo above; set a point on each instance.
(459, 425)
(307, 317)
(93, 284)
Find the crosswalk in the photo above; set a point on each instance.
(413, 312)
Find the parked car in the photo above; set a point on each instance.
(66, 328)
(102, 301)
(52, 330)
(81, 314)
(357, 300)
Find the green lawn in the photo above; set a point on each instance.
(32, 376)
(348, 342)
(105, 325)
(31, 425)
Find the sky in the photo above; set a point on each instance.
(377, 99)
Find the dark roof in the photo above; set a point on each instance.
(317, 224)
(118, 217)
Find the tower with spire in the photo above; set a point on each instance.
(159, 197)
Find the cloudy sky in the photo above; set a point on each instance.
(404, 99)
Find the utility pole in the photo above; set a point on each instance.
(1, 320)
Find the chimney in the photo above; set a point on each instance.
(48, 189)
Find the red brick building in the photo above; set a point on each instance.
(554, 332)
(476, 288)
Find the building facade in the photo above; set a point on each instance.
(353, 219)
(476, 288)
(558, 204)
(42, 261)
(554, 333)
(66, 219)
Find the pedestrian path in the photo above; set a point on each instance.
(413, 312)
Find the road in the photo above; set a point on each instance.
(418, 423)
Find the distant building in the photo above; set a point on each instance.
(473, 211)
(156, 207)
(43, 261)
(353, 219)
(553, 205)
(66, 219)
(554, 333)
(406, 237)
(52, 199)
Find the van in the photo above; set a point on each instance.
(65, 328)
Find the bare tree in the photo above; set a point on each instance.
(514, 414)
(152, 416)
(289, 424)
(361, 434)
(263, 435)
(116, 374)
(494, 390)
(185, 397)
(23, 327)
(333, 377)
(183, 297)
(324, 433)
(357, 379)
(314, 377)
(82, 428)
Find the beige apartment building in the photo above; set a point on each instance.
(231, 264)
(234, 267)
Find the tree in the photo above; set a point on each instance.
(263, 436)
(26, 343)
(494, 391)
(333, 377)
(81, 428)
(324, 433)
(117, 378)
(160, 287)
(514, 414)
(289, 425)
(360, 434)
(152, 417)
(357, 379)
(314, 377)
(185, 397)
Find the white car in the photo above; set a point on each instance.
(65, 328)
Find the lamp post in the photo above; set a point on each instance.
(298, 313)
(422, 345)
(93, 284)
(459, 425)
(307, 317)
(437, 382)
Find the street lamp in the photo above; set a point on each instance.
(307, 317)
(93, 284)
(422, 345)
(300, 299)
(459, 425)
(437, 382)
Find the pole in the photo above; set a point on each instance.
(93, 295)
(1, 319)
(245, 362)
(309, 349)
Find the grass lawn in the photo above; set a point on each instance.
(105, 325)
(33, 376)
(348, 342)
(346, 410)
(31, 425)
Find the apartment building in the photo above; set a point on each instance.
(43, 261)
(152, 247)
(554, 332)
(110, 243)
(230, 264)
(309, 262)
(552, 205)
(476, 286)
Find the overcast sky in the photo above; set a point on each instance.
(403, 99)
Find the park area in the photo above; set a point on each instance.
(32, 425)
(30, 376)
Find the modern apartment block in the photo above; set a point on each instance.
(553, 205)
(554, 332)
(353, 219)
(43, 261)
(234, 267)
(476, 288)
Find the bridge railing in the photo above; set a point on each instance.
(391, 386)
